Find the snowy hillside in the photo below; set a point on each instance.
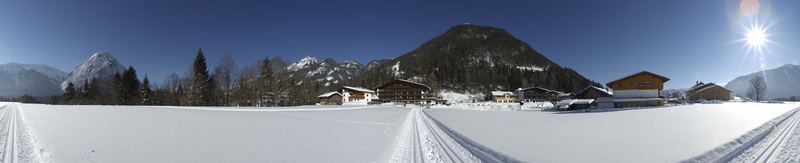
(101, 65)
(32, 79)
(472, 58)
(783, 81)
(324, 72)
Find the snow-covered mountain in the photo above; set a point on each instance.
(325, 72)
(783, 81)
(101, 65)
(32, 79)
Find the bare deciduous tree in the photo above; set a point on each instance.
(225, 75)
(758, 88)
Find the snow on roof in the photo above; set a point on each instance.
(544, 90)
(329, 94)
(358, 89)
(597, 88)
(710, 85)
(501, 93)
(574, 101)
(646, 72)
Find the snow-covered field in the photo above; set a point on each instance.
(667, 134)
(47, 133)
(175, 134)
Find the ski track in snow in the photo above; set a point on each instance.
(423, 139)
(16, 142)
(781, 145)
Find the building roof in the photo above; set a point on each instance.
(665, 79)
(329, 94)
(359, 89)
(545, 90)
(702, 87)
(597, 88)
(405, 81)
(564, 104)
(501, 93)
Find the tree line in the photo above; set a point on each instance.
(261, 84)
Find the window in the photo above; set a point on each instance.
(634, 83)
(647, 83)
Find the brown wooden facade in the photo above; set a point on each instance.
(403, 91)
(330, 99)
(638, 90)
(540, 94)
(644, 80)
(709, 91)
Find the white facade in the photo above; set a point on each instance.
(649, 93)
(347, 97)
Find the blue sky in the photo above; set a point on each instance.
(686, 40)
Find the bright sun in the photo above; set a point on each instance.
(756, 37)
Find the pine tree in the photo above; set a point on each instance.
(132, 85)
(84, 94)
(198, 95)
(69, 93)
(431, 81)
(93, 91)
(118, 90)
(211, 92)
(179, 94)
(266, 84)
(146, 91)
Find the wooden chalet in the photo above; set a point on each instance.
(708, 91)
(535, 94)
(330, 98)
(504, 96)
(357, 94)
(639, 89)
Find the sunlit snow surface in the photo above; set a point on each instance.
(166, 134)
(667, 134)
(372, 133)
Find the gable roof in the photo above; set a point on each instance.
(359, 89)
(501, 93)
(665, 79)
(598, 89)
(703, 87)
(545, 90)
(404, 81)
(329, 94)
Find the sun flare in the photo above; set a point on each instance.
(756, 38)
